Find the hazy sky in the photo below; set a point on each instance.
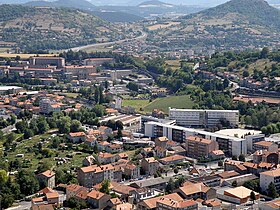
(136, 2)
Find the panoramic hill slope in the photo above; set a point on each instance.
(110, 15)
(31, 28)
(235, 25)
(255, 12)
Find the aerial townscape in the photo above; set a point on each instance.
(140, 105)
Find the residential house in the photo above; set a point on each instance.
(89, 161)
(77, 137)
(150, 165)
(148, 152)
(160, 152)
(47, 178)
(52, 197)
(172, 159)
(114, 148)
(73, 189)
(199, 147)
(106, 158)
(132, 171)
(97, 200)
(92, 175)
(151, 203)
(169, 204)
(195, 191)
(265, 145)
(268, 177)
(161, 141)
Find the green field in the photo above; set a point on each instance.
(137, 104)
(183, 102)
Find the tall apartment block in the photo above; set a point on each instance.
(203, 118)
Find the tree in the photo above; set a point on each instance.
(64, 124)
(47, 153)
(75, 126)
(272, 192)
(105, 186)
(44, 166)
(28, 133)
(234, 183)
(264, 52)
(170, 186)
(74, 203)
(242, 158)
(246, 73)
(253, 185)
(176, 171)
(43, 126)
(21, 126)
(133, 86)
(234, 157)
(220, 163)
(6, 200)
(3, 177)
(27, 182)
(253, 196)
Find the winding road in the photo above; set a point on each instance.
(76, 49)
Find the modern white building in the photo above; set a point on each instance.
(230, 145)
(203, 118)
(10, 89)
(270, 176)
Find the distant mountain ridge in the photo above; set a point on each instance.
(154, 3)
(256, 12)
(80, 4)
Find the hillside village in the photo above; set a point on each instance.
(174, 112)
(101, 154)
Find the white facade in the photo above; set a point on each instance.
(232, 145)
(203, 118)
(270, 176)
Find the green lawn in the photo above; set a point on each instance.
(183, 102)
(161, 103)
(137, 104)
(70, 95)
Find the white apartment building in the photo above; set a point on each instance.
(270, 176)
(203, 118)
(230, 145)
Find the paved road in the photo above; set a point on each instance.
(21, 206)
(75, 49)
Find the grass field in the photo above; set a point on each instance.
(23, 56)
(70, 95)
(137, 104)
(161, 103)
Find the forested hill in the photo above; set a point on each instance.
(254, 12)
(33, 28)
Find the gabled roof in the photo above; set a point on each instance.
(152, 202)
(48, 173)
(95, 195)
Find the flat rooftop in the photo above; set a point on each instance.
(237, 132)
(201, 110)
(4, 88)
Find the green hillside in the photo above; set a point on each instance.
(34, 28)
